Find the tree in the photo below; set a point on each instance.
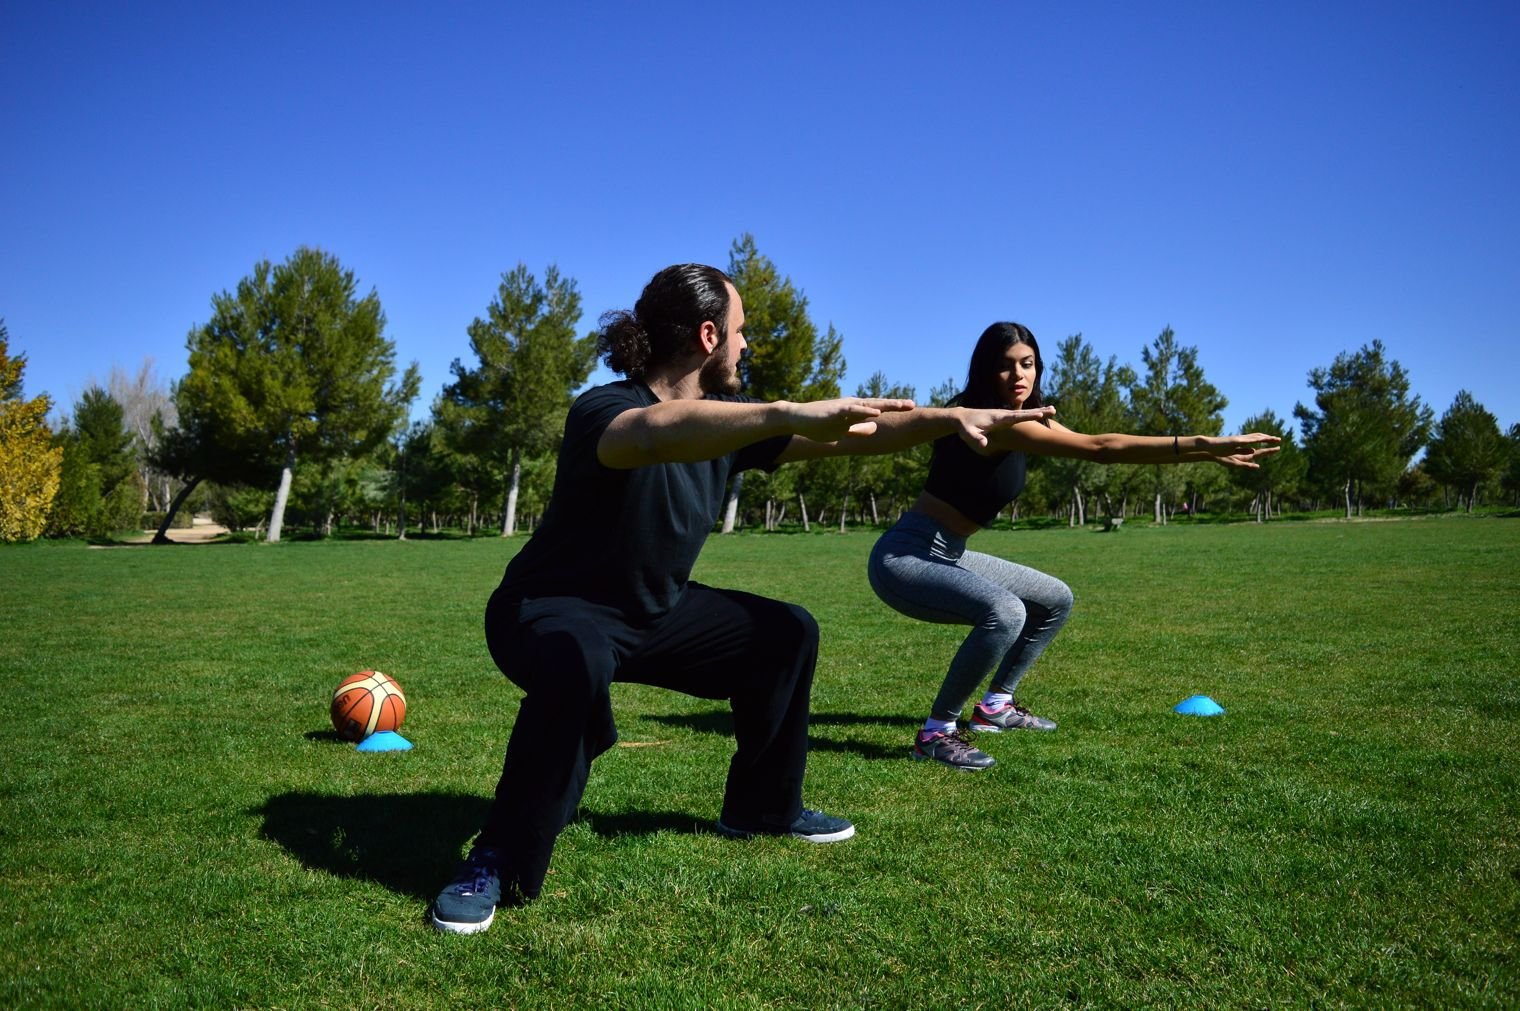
(894, 477)
(99, 488)
(1275, 475)
(29, 463)
(787, 358)
(1367, 426)
(1173, 399)
(513, 402)
(1468, 449)
(293, 365)
(1089, 396)
(1511, 479)
(147, 410)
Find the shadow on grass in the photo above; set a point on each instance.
(720, 721)
(410, 843)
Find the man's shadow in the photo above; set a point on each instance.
(721, 721)
(412, 842)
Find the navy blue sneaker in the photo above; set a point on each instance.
(813, 826)
(468, 904)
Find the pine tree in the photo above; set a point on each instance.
(1367, 427)
(787, 358)
(1468, 450)
(1173, 399)
(294, 365)
(512, 403)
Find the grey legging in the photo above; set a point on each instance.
(922, 570)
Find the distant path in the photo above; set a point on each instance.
(201, 530)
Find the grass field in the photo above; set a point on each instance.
(180, 828)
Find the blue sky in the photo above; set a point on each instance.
(1277, 182)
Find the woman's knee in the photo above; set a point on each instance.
(1062, 599)
(1005, 614)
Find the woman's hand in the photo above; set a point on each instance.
(1243, 450)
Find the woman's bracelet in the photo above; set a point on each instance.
(1175, 450)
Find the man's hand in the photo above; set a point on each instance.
(831, 420)
(977, 422)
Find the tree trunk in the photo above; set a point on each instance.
(509, 515)
(802, 503)
(1160, 511)
(844, 512)
(401, 509)
(875, 519)
(781, 515)
(162, 535)
(731, 509)
(277, 516)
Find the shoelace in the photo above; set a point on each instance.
(961, 737)
(479, 881)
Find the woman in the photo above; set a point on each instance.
(921, 566)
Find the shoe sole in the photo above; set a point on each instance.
(826, 837)
(450, 927)
(993, 728)
(822, 837)
(952, 765)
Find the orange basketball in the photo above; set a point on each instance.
(365, 703)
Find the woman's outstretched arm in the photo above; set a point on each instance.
(1055, 439)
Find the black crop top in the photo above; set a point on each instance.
(979, 486)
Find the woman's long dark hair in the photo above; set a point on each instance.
(674, 305)
(981, 389)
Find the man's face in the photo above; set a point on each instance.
(720, 372)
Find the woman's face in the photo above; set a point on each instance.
(1016, 375)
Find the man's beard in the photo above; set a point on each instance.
(716, 375)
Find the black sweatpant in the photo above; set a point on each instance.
(565, 652)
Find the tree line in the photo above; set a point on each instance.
(293, 411)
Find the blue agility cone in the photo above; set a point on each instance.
(384, 740)
(1198, 705)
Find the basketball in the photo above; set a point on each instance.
(366, 703)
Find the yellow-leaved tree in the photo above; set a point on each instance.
(29, 463)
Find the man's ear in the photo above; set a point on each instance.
(707, 335)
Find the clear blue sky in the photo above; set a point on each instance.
(1278, 182)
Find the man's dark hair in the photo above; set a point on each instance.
(674, 305)
(981, 389)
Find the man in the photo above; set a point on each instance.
(600, 592)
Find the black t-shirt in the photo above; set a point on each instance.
(625, 538)
(979, 486)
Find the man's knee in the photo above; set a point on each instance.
(804, 625)
(570, 662)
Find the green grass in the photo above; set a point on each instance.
(179, 827)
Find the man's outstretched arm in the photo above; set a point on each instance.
(683, 431)
(900, 431)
